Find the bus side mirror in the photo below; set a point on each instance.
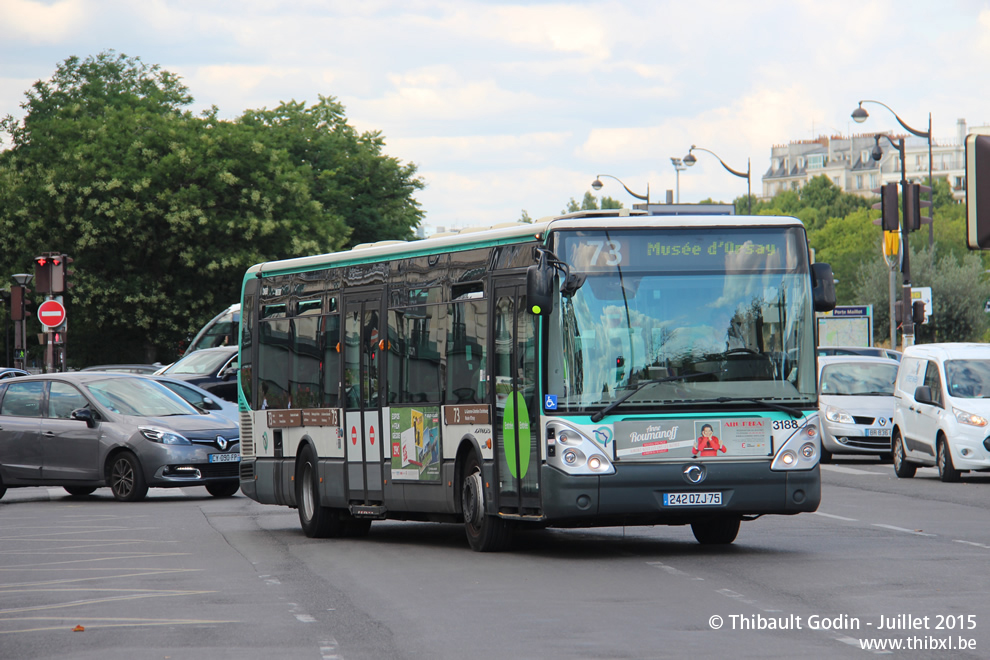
(823, 287)
(539, 288)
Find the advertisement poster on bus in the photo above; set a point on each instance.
(415, 443)
(705, 439)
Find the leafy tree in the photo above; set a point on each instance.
(845, 243)
(590, 203)
(163, 212)
(347, 172)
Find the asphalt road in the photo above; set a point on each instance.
(184, 575)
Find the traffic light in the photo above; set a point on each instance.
(978, 191)
(918, 312)
(17, 295)
(57, 274)
(66, 272)
(889, 217)
(43, 274)
(913, 205)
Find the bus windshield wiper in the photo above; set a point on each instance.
(598, 416)
(796, 414)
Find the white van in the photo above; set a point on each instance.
(941, 409)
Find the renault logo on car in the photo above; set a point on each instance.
(694, 473)
(221, 442)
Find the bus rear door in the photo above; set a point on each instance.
(363, 433)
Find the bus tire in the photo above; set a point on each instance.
(485, 533)
(716, 531)
(357, 527)
(316, 520)
(902, 468)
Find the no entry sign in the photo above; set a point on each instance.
(51, 313)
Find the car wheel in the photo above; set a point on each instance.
(902, 468)
(716, 531)
(485, 533)
(317, 521)
(946, 470)
(126, 478)
(79, 491)
(222, 489)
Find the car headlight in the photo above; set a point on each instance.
(163, 436)
(969, 419)
(838, 415)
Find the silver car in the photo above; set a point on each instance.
(856, 403)
(83, 431)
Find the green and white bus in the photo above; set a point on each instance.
(592, 369)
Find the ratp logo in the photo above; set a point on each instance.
(603, 435)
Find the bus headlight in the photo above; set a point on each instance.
(576, 454)
(801, 450)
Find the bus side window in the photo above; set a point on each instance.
(466, 341)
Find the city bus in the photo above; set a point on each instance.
(592, 369)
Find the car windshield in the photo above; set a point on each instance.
(200, 362)
(968, 379)
(858, 379)
(186, 392)
(138, 397)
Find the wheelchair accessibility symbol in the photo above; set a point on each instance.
(550, 403)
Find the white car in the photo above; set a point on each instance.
(941, 409)
(856, 403)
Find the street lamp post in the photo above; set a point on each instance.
(907, 321)
(860, 115)
(679, 167)
(597, 185)
(690, 160)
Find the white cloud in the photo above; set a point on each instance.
(40, 22)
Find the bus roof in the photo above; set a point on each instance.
(515, 232)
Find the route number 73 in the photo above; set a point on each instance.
(609, 252)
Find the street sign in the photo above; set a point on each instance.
(51, 313)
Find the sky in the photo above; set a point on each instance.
(507, 107)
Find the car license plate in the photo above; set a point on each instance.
(225, 458)
(877, 431)
(692, 499)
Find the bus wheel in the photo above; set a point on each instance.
(485, 533)
(317, 521)
(357, 527)
(716, 531)
(902, 468)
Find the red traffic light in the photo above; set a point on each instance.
(41, 261)
(56, 261)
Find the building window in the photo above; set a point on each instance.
(859, 182)
(816, 161)
(865, 156)
(874, 183)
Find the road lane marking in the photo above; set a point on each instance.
(978, 545)
(832, 515)
(848, 470)
(903, 529)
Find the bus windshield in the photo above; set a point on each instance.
(705, 316)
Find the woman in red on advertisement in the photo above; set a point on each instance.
(708, 444)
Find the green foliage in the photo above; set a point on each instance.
(959, 291)
(845, 243)
(347, 173)
(590, 203)
(163, 212)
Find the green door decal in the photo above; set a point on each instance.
(520, 445)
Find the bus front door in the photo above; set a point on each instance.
(516, 428)
(363, 433)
